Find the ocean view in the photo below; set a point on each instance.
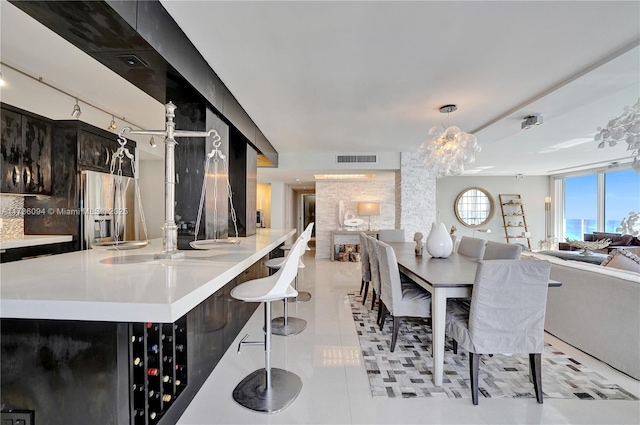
(576, 227)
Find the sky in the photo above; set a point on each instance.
(622, 190)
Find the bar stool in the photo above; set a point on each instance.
(269, 389)
(303, 296)
(287, 325)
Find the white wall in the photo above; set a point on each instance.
(330, 193)
(532, 189)
(278, 205)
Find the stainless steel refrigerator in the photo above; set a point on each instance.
(108, 208)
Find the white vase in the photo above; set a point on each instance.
(439, 244)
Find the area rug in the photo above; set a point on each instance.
(407, 372)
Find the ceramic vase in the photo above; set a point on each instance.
(439, 244)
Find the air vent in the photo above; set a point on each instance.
(356, 159)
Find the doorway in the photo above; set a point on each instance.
(309, 212)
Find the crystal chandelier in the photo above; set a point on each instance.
(625, 127)
(447, 151)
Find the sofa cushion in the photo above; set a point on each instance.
(624, 240)
(622, 259)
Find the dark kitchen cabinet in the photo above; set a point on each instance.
(97, 147)
(26, 153)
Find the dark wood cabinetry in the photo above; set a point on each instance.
(96, 149)
(26, 153)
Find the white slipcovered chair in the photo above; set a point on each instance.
(502, 251)
(365, 267)
(391, 235)
(472, 247)
(372, 249)
(400, 299)
(506, 315)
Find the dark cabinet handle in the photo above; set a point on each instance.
(15, 175)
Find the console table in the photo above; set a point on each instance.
(348, 235)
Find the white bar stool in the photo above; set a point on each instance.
(269, 390)
(286, 325)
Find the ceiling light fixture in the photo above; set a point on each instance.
(447, 151)
(76, 110)
(625, 127)
(530, 121)
(112, 124)
(1, 80)
(152, 142)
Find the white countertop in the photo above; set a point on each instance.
(125, 286)
(33, 240)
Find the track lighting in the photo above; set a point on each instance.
(76, 110)
(531, 120)
(152, 142)
(1, 80)
(112, 124)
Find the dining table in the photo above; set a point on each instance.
(444, 278)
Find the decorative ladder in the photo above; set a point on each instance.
(513, 217)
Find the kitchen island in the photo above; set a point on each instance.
(104, 336)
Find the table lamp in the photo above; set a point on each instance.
(369, 209)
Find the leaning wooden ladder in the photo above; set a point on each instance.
(512, 208)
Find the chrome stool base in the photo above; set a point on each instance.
(302, 297)
(252, 391)
(292, 326)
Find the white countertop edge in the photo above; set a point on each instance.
(91, 311)
(34, 240)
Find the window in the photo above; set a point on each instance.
(598, 202)
(621, 198)
(580, 206)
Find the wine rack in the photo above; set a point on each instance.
(158, 372)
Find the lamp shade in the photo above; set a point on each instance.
(368, 208)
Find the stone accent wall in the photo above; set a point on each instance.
(417, 196)
(329, 194)
(11, 220)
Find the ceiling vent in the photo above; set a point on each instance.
(132, 61)
(356, 159)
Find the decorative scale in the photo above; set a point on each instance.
(216, 156)
(115, 182)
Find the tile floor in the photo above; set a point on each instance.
(335, 388)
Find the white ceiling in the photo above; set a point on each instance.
(371, 76)
(349, 77)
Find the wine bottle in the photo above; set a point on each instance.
(167, 359)
(153, 348)
(166, 378)
(152, 415)
(137, 361)
(152, 371)
(180, 347)
(166, 398)
(177, 382)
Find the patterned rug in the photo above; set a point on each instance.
(407, 371)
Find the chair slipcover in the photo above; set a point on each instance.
(471, 247)
(373, 263)
(364, 258)
(391, 235)
(401, 299)
(502, 251)
(507, 310)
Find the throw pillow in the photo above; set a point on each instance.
(624, 240)
(622, 259)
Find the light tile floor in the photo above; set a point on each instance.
(335, 388)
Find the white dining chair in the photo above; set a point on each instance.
(365, 267)
(400, 299)
(391, 235)
(506, 315)
(502, 251)
(472, 247)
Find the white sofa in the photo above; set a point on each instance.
(597, 310)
